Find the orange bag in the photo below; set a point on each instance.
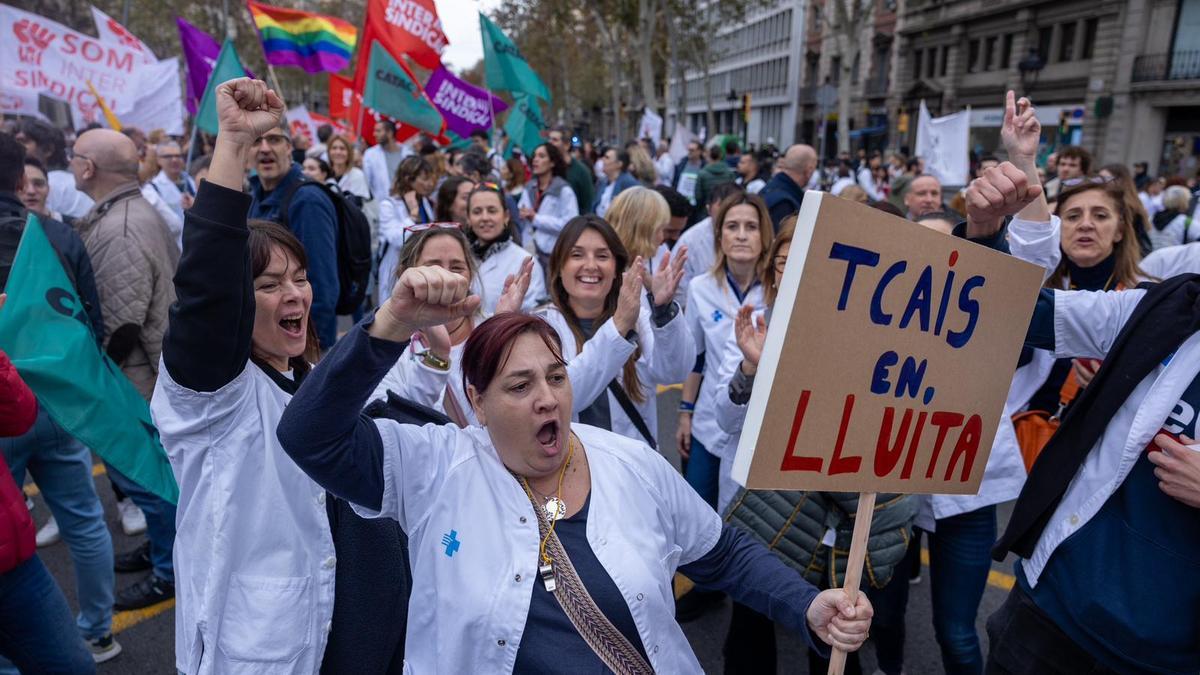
(1035, 427)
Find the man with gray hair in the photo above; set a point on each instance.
(134, 258)
(172, 183)
(785, 192)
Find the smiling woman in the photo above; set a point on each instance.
(629, 346)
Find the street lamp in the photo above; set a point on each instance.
(1030, 67)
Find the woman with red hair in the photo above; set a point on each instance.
(536, 544)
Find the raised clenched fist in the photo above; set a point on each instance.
(246, 109)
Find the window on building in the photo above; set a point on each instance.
(835, 70)
(916, 73)
(1090, 28)
(944, 61)
(1006, 44)
(991, 53)
(854, 69)
(931, 62)
(973, 56)
(1045, 35)
(1066, 45)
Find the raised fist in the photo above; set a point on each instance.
(247, 109)
(998, 192)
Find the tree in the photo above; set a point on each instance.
(696, 39)
(843, 22)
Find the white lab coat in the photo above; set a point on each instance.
(1086, 324)
(500, 263)
(394, 221)
(558, 206)
(668, 354)
(375, 166)
(64, 198)
(254, 557)
(354, 182)
(712, 307)
(702, 251)
(173, 221)
(1165, 263)
(170, 192)
(469, 607)
(664, 168)
(410, 378)
(866, 181)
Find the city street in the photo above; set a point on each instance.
(147, 636)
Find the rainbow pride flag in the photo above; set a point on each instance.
(314, 42)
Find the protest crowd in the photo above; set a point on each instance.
(380, 393)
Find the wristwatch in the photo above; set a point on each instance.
(434, 361)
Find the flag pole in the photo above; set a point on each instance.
(488, 89)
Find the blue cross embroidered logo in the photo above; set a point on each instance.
(717, 316)
(451, 542)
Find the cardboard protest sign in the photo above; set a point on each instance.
(889, 356)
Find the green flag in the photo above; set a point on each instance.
(392, 90)
(228, 67)
(47, 334)
(503, 65)
(525, 125)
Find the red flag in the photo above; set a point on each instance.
(407, 27)
(341, 97)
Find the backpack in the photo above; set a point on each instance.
(353, 245)
(11, 229)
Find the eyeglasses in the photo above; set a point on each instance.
(421, 227)
(85, 158)
(1093, 180)
(486, 185)
(274, 140)
(175, 156)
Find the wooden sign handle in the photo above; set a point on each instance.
(854, 565)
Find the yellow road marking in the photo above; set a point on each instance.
(125, 620)
(31, 490)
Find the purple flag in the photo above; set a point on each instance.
(200, 52)
(463, 105)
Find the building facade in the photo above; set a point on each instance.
(1120, 77)
(760, 56)
(870, 76)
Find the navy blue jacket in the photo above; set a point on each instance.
(783, 197)
(311, 217)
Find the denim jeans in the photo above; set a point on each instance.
(62, 467)
(36, 631)
(959, 562)
(703, 472)
(160, 522)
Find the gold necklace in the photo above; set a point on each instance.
(546, 569)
